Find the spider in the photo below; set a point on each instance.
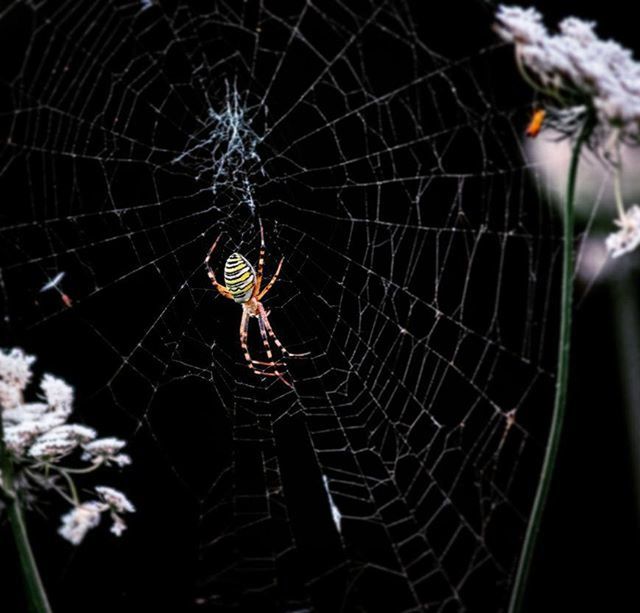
(243, 286)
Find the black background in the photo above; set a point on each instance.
(588, 547)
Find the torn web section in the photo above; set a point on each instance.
(415, 274)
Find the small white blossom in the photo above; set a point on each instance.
(118, 526)
(10, 396)
(77, 522)
(115, 499)
(579, 30)
(24, 412)
(520, 25)
(16, 441)
(58, 394)
(627, 238)
(103, 449)
(61, 441)
(117, 503)
(76, 432)
(15, 368)
(48, 448)
(122, 459)
(17, 438)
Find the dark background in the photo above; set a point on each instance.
(186, 403)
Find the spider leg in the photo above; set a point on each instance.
(212, 275)
(264, 317)
(260, 261)
(244, 327)
(267, 348)
(273, 280)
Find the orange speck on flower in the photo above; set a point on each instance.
(535, 125)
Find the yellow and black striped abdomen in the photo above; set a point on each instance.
(239, 277)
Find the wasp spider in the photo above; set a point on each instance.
(243, 285)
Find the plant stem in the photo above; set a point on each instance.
(560, 400)
(36, 595)
(617, 181)
(71, 484)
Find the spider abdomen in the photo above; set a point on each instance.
(239, 277)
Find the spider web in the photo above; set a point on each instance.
(375, 143)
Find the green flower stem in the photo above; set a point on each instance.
(71, 484)
(564, 344)
(36, 595)
(617, 180)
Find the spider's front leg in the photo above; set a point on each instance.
(263, 249)
(260, 295)
(212, 275)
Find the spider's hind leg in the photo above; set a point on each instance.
(267, 348)
(264, 317)
(244, 326)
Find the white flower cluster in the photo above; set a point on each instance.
(106, 450)
(577, 66)
(627, 238)
(77, 522)
(584, 76)
(15, 367)
(38, 438)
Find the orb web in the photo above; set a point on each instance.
(381, 158)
